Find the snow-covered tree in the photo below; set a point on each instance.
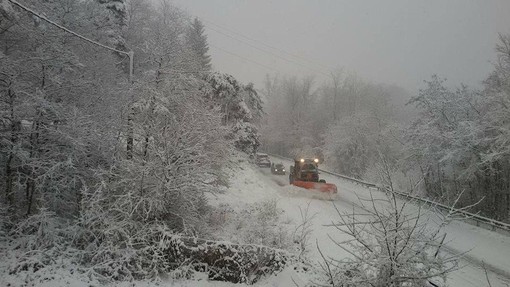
(290, 126)
(454, 141)
(117, 9)
(390, 243)
(349, 145)
(497, 90)
(67, 114)
(197, 41)
(254, 102)
(241, 108)
(48, 141)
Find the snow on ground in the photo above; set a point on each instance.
(482, 246)
(250, 184)
(61, 273)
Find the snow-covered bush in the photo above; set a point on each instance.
(125, 250)
(303, 231)
(42, 239)
(393, 243)
(265, 228)
(226, 261)
(130, 250)
(258, 223)
(39, 231)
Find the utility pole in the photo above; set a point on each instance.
(131, 54)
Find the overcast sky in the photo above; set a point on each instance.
(399, 42)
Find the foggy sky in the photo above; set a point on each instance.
(399, 42)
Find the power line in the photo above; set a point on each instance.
(244, 58)
(266, 51)
(65, 29)
(266, 45)
(251, 39)
(189, 71)
(130, 53)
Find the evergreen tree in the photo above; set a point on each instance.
(240, 106)
(254, 102)
(197, 41)
(117, 8)
(114, 16)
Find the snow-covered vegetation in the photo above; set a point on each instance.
(441, 143)
(108, 172)
(126, 159)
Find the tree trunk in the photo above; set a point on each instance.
(30, 185)
(8, 165)
(9, 180)
(130, 135)
(30, 190)
(34, 144)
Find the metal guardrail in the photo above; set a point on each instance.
(359, 181)
(479, 220)
(476, 218)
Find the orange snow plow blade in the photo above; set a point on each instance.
(320, 186)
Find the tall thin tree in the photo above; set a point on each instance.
(197, 41)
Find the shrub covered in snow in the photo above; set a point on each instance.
(225, 261)
(36, 245)
(259, 223)
(391, 244)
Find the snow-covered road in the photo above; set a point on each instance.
(484, 246)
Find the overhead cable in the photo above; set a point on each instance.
(268, 52)
(244, 58)
(65, 29)
(265, 44)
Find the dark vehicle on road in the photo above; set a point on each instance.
(262, 160)
(278, 169)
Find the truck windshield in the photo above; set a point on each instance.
(309, 166)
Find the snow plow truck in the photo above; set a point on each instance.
(305, 173)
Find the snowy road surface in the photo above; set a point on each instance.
(257, 184)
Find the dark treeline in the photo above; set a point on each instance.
(446, 144)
